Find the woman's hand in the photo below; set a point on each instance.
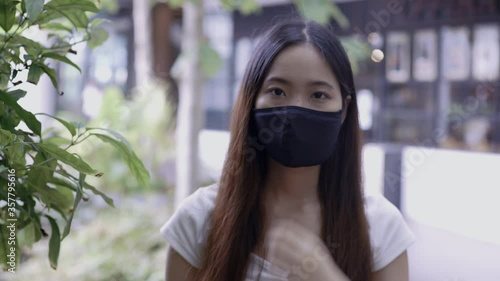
(299, 254)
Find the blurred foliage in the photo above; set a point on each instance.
(108, 6)
(112, 248)
(43, 181)
(246, 7)
(147, 123)
(322, 11)
(357, 51)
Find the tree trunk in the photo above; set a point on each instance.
(142, 41)
(190, 113)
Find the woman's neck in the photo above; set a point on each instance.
(290, 193)
(291, 185)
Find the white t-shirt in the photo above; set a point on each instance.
(186, 232)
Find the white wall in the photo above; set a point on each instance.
(450, 190)
(454, 191)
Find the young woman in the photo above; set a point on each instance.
(289, 204)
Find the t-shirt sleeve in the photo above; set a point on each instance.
(389, 233)
(185, 231)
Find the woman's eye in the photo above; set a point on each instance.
(319, 95)
(277, 92)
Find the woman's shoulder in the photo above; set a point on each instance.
(390, 235)
(186, 229)
(378, 207)
(202, 200)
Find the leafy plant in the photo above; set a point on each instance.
(147, 123)
(101, 250)
(42, 182)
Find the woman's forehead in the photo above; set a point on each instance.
(301, 63)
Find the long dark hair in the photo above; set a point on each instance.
(237, 219)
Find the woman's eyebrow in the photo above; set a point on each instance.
(312, 83)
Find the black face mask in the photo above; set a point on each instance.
(297, 136)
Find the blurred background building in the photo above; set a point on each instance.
(428, 84)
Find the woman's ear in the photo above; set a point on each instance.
(346, 106)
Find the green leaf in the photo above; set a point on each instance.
(134, 163)
(15, 152)
(58, 141)
(5, 72)
(73, 10)
(54, 243)
(17, 94)
(73, 5)
(106, 198)
(35, 73)
(97, 36)
(61, 58)
(210, 60)
(33, 48)
(66, 124)
(67, 158)
(7, 14)
(13, 57)
(59, 197)
(56, 26)
(52, 75)
(64, 182)
(78, 198)
(42, 170)
(26, 116)
(47, 16)
(6, 138)
(34, 8)
(29, 208)
(78, 18)
(27, 236)
(114, 134)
